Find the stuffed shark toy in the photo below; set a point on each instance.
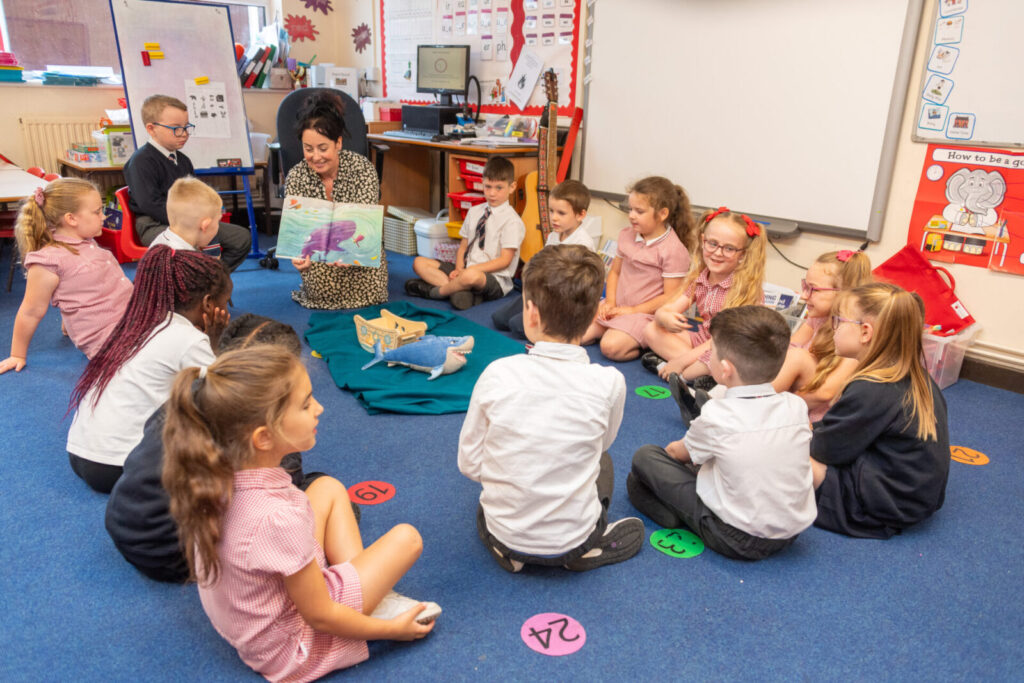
(436, 355)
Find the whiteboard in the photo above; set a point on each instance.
(971, 91)
(196, 42)
(778, 108)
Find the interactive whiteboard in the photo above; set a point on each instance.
(185, 50)
(783, 108)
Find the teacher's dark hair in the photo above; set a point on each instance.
(324, 113)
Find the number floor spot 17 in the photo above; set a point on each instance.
(652, 391)
(371, 492)
(553, 634)
(677, 542)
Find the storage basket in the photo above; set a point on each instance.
(399, 236)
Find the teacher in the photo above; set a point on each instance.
(329, 172)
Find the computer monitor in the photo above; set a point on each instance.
(443, 70)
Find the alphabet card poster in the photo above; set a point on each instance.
(970, 208)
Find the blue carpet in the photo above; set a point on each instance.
(941, 602)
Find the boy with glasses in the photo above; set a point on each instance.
(155, 166)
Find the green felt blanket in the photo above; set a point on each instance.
(399, 389)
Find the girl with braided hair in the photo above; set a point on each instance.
(178, 309)
(66, 268)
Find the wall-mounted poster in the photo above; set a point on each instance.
(970, 208)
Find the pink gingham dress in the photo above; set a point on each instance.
(267, 534)
(644, 269)
(92, 292)
(710, 299)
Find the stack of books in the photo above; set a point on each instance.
(9, 70)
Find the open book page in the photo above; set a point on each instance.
(328, 232)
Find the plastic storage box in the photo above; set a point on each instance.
(399, 236)
(430, 232)
(944, 356)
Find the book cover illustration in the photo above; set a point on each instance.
(327, 232)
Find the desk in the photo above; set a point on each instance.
(409, 171)
(16, 184)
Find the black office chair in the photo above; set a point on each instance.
(288, 145)
(287, 150)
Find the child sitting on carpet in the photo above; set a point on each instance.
(66, 268)
(138, 516)
(567, 207)
(881, 452)
(750, 493)
(193, 210)
(488, 254)
(539, 426)
(649, 266)
(174, 319)
(283, 575)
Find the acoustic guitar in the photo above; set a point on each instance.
(535, 215)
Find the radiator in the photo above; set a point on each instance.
(47, 138)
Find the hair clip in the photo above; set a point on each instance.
(39, 197)
(753, 229)
(844, 255)
(202, 372)
(717, 212)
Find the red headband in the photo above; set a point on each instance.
(753, 229)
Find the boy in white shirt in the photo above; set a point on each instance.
(539, 426)
(741, 477)
(194, 210)
(488, 254)
(567, 207)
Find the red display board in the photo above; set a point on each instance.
(970, 208)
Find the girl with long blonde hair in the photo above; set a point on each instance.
(880, 455)
(728, 271)
(812, 369)
(55, 231)
(283, 575)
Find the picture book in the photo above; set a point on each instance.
(327, 232)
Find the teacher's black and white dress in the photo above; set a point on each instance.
(325, 286)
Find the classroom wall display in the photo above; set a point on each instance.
(971, 92)
(185, 50)
(497, 31)
(785, 109)
(970, 208)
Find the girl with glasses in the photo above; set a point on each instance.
(812, 369)
(880, 455)
(728, 272)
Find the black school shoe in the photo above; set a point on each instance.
(462, 300)
(418, 287)
(650, 361)
(685, 398)
(704, 383)
(621, 541)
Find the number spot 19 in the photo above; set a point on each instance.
(371, 492)
(553, 634)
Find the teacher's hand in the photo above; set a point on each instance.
(302, 264)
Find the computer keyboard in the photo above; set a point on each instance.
(410, 134)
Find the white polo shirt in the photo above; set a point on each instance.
(578, 236)
(754, 450)
(533, 436)
(172, 240)
(108, 432)
(503, 230)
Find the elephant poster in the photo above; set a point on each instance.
(970, 208)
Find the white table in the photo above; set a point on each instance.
(16, 184)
